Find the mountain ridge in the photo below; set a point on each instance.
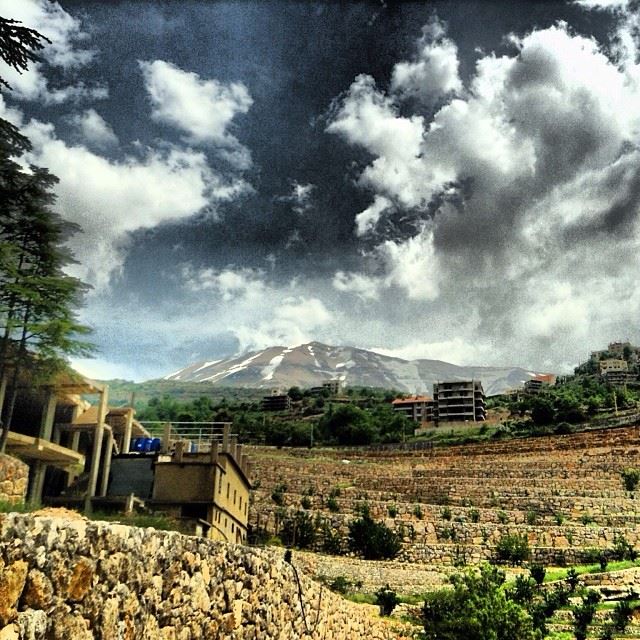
(312, 363)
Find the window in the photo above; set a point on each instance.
(228, 490)
(234, 496)
(220, 484)
(233, 528)
(240, 503)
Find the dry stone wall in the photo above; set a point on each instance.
(453, 504)
(14, 478)
(73, 579)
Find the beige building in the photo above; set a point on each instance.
(210, 489)
(416, 408)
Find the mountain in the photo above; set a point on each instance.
(309, 365)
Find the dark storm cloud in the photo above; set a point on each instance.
(436, 209)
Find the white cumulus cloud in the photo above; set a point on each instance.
(202, 109)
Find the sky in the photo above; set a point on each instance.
(449, 180)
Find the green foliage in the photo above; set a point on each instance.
(573, 579)
(305, 502)
(538, 572)
(630, 478)
(446, 513)
(583, 614)
(513, 548)
(387, 600)
(532, 517)
(372, 540)
(523, 590)
(332, 505)
(340, 584)
(474, 515)
(417, 511)
(477, 608)
(298, 530)
(622, 549)
(392, 510)
(277, 495)
(347, 425)
(621, 615)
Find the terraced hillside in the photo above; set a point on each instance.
(453, 505)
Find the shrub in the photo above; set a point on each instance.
(298, 530)
(373, 540)
(502, 517)
(572, 579)
(583, 614)
(335, 492)
(622, 549)
(621, 615)
(446, 513)
(474, 515)
(558, 518)
(340, 584)
(587, 518)
(630, 478)
(476, 608)
(392, 510)
(277, 495)
(532, 517)
(305, 502)
(331, 541)
(513, 548)
(522, 590)
(332, 505)
(538, 572)
(417, 512)
(387, 600)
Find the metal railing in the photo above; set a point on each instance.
(199, 435)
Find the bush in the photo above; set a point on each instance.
(392, 510)
(332, 505)
(387, 600)
(417, 512)
(331, 541)
(277, 495)
(622, 549)
(446, 513)
(373, 540)
(477, 608)
(621, 615)
(298, 530)
(532, 517)
(630, 478)
(340, 584)
(305, 502)
(474, 515)
(538, 572)
(513, 548)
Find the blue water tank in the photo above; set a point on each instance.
(138, 444)
(156, 444)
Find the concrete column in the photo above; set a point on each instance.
(75, 445)
(37, 482)
(214, 452)
(225, 437)
(3, 391)
(238, 454)
(97, 448)
(233, 445)
(48, 416)
(166, 437)
(126, 440)
(106, 467)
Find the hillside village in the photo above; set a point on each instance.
(451, 480)
(182, 181)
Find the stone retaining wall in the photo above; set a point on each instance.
(72, 579)
(14, 478)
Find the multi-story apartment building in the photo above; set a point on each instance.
(539, 382)
(459, 401)
(416, 408)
